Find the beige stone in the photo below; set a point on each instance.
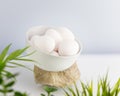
(57, 79)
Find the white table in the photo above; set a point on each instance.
(91, 67)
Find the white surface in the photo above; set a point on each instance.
(91, 67)
(95, 22)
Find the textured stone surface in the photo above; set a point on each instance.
(57, 79)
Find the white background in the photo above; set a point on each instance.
(95, 22)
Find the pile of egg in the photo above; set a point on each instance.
(58, 41)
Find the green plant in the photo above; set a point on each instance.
(103, 89)
(8, 79)
(7, 82)
(49, 90)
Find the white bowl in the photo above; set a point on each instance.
(49, 62)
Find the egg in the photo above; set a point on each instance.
(36, 30)
(68, 48)
(65, 33)
(55, 35)
(34, 40)
(54, 53)
(43, 43)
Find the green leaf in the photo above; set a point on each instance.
(2, 66)
(98, 89)
(28, 54)
(10, 75)
(17, 93)
(10, 84)
(23, 59)
(104, 86)
(20, 65)
(4, 53)
(84, 93)
(10, 90)
(76, 88)
(1, 91)
(11, 66)
(1, 80)
(90, 89)
(66, 93)
(116, 87)
(24, 49)
(13, 55)
(72, 91)
(42, 94)
(49, 89)
(16, 53)
(2, 57)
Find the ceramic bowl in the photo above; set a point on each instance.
(49, 62)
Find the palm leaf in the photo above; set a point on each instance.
(98, 88)
(66, 93)
(76, 88)
(4, 53)
(90, 89)
(72, 91)
(116, 87)
(24, 59)
(28, 54)
(84, 93)
(2, 57)
(9, 66)
(20, 65)
(16, 53)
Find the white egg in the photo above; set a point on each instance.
(43, 43)
(34, 40)
(36, 30)
(68, 48)
(65, 33)
(54, 53)
(55, 35)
